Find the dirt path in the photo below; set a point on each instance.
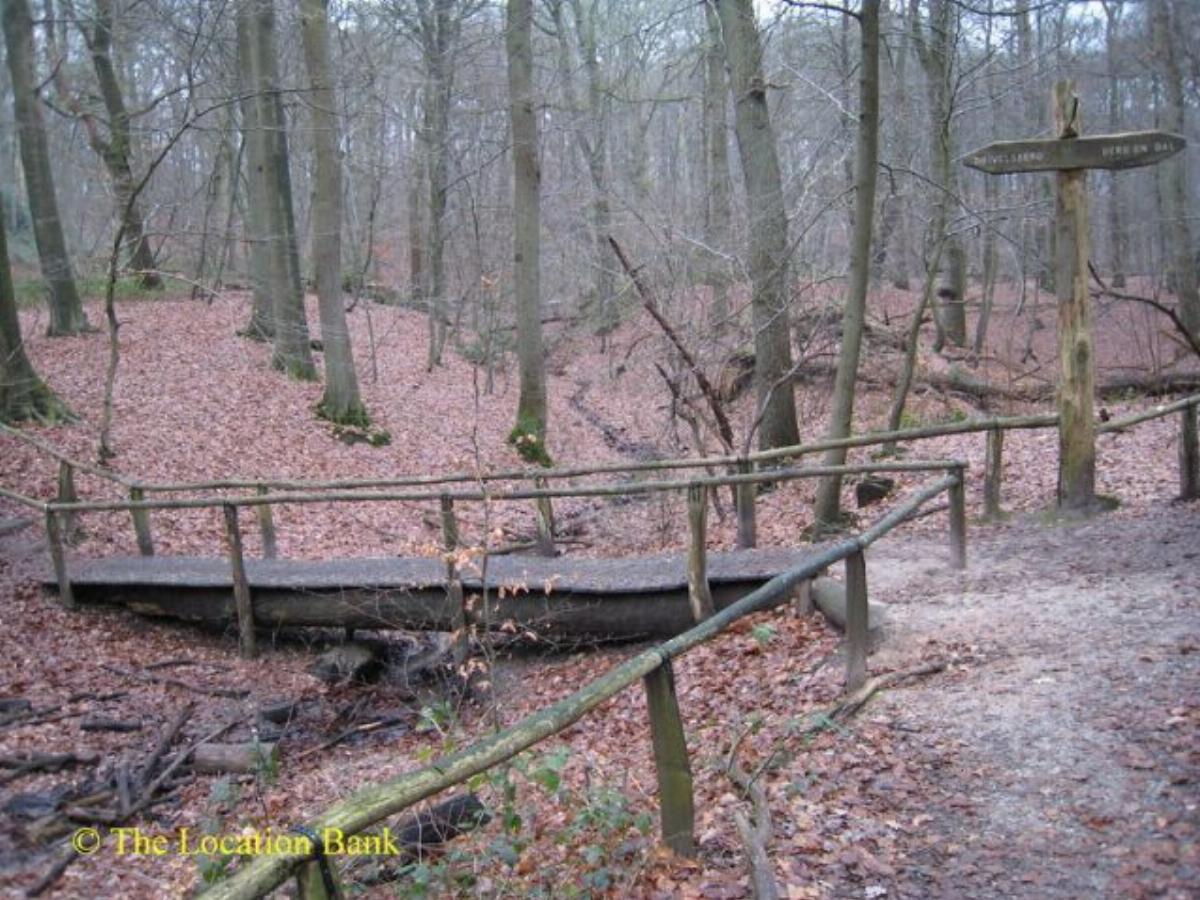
(1068, 741)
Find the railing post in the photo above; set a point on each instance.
(747, 526)
(1189, 454)
(958, 519)
(243, 603)
(141, 523)
(671, 760)
(67, 494)
(856, 621)
(544, 513)
(992, 473)
(266, 526)
(318, 880)
(454, 589)
(699, 594)
(58, 557)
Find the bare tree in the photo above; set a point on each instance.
(66, 309)
(1175, 185)
(826, 511)
(23, 395)
(529, 433)
(341, 402)
(769, 252)
(271, 188)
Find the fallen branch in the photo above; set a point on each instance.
(724, 429)
(49, 762)
(146, 677)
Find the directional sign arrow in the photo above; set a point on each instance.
(1103, 151)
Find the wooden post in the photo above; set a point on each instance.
(544, 513)
(671, 760)
(1076, 366)
(454, 589)
(58, 557)
(747, 526)
(243, 603)
(1189, 455)
(856, 621)
(1069, 156)
(699, 594)
(993, 473)
(266, 527)
(318, 880)
(67, 494)
(958, 520)
(449, 522)
(141, 523)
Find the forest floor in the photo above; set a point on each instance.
(1056, 755)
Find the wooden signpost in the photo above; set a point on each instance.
(1070, 156)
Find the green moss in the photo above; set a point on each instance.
(526, 438)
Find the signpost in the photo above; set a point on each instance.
(1070, 156)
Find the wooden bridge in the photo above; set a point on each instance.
(622, 599)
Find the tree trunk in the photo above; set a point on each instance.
(341, 402)
(827, 510)
(270, 172)
(529, 433)
(1175, 181)
(768, 261)
(115, 152)
(937, 59)
(23, 395)
(66, 309)
(719, 216)
(1116, 232)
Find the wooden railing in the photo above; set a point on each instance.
(58, 513)
(138, 490)
(653, 667)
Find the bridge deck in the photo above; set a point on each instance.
(628, 597)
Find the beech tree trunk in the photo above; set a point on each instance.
(529, 433)
(341, 402)
(718, 220)
(23, 395)
(271, 189)
(66, 309)
(768, 260)
(1175, 180)
(827, 510)
(116, 150)
(937, 54)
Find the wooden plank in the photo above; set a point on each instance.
(243, 602)
(746, 493)
(699, 593)
(1189, 455)
(58, 559)
(1076, 363)
(141, 523)
(993, 473)
(856, 621)
(266, 526)
(671, 760)
(1129, 150)
(958, 521)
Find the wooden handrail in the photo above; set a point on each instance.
(373, 804)
(620, 489)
